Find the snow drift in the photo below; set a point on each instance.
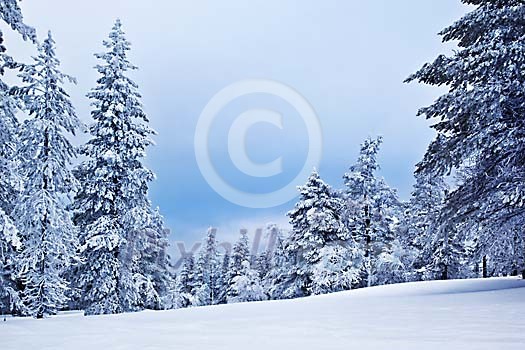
(461, 314)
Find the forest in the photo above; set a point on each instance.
(78, 230)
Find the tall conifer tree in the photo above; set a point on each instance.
(479, 120)
(49, 239)
(112, 208)
(372, 210)
(10, 182)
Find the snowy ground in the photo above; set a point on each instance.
(473, 314)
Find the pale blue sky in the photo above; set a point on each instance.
(347, 58)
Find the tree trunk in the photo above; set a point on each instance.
(43, 232)
(485, 266)
(523, 274)
(444, 274)
(368, 240)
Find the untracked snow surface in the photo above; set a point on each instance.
(466, 314)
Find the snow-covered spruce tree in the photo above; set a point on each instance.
(263, 261)
(320, 251)
(9, 189)
(49, 239)
(337, 268)
(183, 293)
(391, 262)
(493, 247)
(479, 121)
(9, 246)
(371, 213)
(508, 256)
(156, 276)
(240, 254)
(207, 270)
(503, 258)
(263, 264)
(423, 215)
(222, 281)
(9, 181)
(428, 197)
(279, 266)
(112, 208)
(447, 252)
(246, 286)
(9, 105)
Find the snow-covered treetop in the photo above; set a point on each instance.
(44, 82)
(118, 47)
(360, 179)
(316, 193)
(43, 143)
(317, 215)
(120, 131)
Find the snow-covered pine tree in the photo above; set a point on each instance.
(49, 239)
(372, 210)
(318, 235)
(508, 256)
(263, 261)
(390, 257)
(359, 193)
(9, 246)
(338, 268)
(207, 272)
(279, 266)
(246, 286)
(183, 293)
(156, 277)
(112, 208)
(495, 251)
(9, 105)
(240, 254)
(428, 197)
(423, 215)
(9, 181)
(222, 281)
(9, 188)
(447, 252)
(479, 121)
